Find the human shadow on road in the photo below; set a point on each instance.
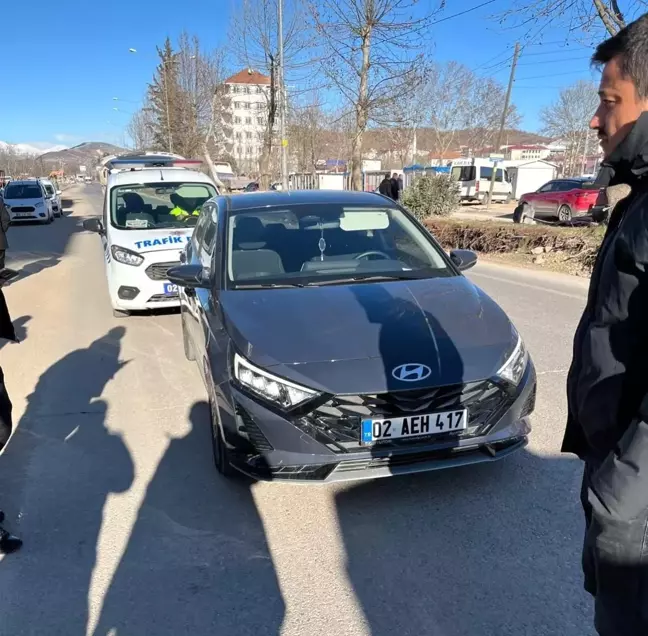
(20, 329)
(488, 549)
(56, 474)
(35, 267)
(197, 561)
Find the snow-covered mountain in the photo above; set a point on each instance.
(27, 149)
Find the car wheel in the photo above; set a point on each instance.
(120, 313)
(188, 349)
(564, 213)
(524, 213)
(222, 459)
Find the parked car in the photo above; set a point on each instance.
(253, 186)
(27, 201)
(563, 199)
(338, 341)
(54, 196)
(473, 178)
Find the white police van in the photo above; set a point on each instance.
(149, 213)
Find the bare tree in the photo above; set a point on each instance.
(580, 17)
(373, 54)
(255, 29)
(308, 134)
(140, 129)
(568, 120)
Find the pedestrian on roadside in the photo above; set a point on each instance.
(400, 186)
(607, 385)
(394, 186)
(5, 220)
(8, 542)
(385, 187)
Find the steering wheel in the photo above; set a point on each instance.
(373, 253)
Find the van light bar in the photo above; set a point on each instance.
(154, 162)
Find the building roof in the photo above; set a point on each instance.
(527, 147)
(248, 76)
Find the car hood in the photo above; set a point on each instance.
(18, 203)
(350, 338)
(144, 241)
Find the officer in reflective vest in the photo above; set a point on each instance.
(179, 210)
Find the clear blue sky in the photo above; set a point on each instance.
(62, 73)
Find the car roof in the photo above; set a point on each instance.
(23, 181)
(281, 198)
(156, 175)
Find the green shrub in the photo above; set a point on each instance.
(434, 195)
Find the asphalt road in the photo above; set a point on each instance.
(129, 531)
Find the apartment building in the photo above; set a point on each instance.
(249, 93)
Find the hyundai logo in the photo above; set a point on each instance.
(412, 372)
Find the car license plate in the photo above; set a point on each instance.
(22, 214)
(170, 289)
(413, 426)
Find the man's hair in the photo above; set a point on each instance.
(631, 45)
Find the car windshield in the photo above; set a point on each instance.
(23, 191)
(156, 205)
(328, 244)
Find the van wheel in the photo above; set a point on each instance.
(222, 459)
(564, 214)
(119, 313)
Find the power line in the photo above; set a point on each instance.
(565, 59)
(456, 15)
(551, 75)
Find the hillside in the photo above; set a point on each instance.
(86, 153)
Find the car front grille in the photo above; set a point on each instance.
(23, 208)
(158, 271)
(162, 298)
(337, 423)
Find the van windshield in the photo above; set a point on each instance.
(23, 191)
(146, 206)
(463, 173)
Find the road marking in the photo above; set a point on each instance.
(582, 296)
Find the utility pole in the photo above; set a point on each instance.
(507, 102)
(282, 102)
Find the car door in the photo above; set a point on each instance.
(538, 199)
(199, 301)
(556, 197)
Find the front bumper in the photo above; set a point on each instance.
(269, 446)
(141, 288)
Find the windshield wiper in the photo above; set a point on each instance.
(368, 278)
(268, 285)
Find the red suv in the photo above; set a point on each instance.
(562, 198)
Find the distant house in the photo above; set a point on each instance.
(526, 152)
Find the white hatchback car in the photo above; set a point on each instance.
(28, 201)
(54, 195)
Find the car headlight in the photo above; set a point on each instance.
(270, 387)
(513, 369)
(125, 256)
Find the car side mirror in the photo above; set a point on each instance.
(191, 276)
(59, 192)
(463, 259)
(93, 225)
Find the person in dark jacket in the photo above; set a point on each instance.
(385, 187)
(5, 220)
(395, 187)
(8, 542)
(607, 385)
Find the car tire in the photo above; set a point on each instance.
(120, 313)
(524, 213)
(564, 213)
(188, 349)
(222, 455)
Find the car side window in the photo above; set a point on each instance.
(547, 187)
(201, 226)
